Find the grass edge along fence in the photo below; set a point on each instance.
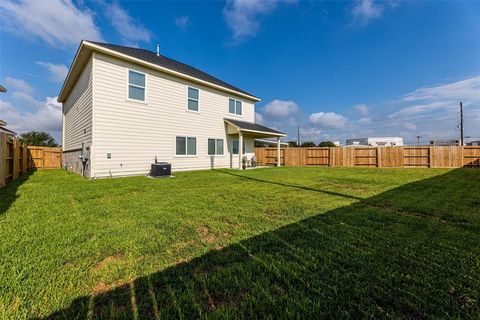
(17, 158)
(416, 156)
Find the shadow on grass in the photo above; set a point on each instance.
(8, 194)
(377, 258)
(332, 193)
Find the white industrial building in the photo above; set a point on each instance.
(376, 141)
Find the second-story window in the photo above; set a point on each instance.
(235, 106)
(136, 85)
(192, 99)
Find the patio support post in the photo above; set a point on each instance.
(278, 152)
(240, 149)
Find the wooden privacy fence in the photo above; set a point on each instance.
(442, 157)
(17, 158)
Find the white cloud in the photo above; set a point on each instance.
(47, 117)
(430, 112)
(23, 100)
(129, 29)
(57, 22)
(259, 118)
(242, 16)
(365, 10)
(58, 72)
(280, 109)
(421, 108)
(410, 126)
(310, 134)
(362, 109)
(466, 90)
(23, 112)
(441, 97)
(329, 120)
(182, 22)
(14, 84)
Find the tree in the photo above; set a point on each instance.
(308, 144)
(38, 138)
(327, 144)
(292, 143)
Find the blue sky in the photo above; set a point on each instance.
(338, 69)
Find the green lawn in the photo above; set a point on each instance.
(267, 243)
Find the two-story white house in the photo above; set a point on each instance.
(124, 108)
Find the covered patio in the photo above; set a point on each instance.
(254, 131)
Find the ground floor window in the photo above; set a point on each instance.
(215, 146)
(235, 147)
(186, 146)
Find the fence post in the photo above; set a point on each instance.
(379, 157)
(462, 148)
(16, 159)
(25, 159)
(3, 161)
(331, 155)
(430, 157)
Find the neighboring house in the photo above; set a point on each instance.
(473, 143)
(450, 142)
(3, 124)
(376, 141)
(124, 108)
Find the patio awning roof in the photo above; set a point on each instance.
(253, 128)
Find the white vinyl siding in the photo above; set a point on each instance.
(77, 112)
(135, 133)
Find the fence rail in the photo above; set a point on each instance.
(16, 158)
(442, 157)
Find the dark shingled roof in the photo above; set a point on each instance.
(252, 126)
(2, 89)
(168, 63)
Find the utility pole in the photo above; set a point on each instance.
(418, 140)
(298, 136)
(461, 123)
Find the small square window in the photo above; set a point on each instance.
(215, 147)
(235, 106)
(185, 146)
